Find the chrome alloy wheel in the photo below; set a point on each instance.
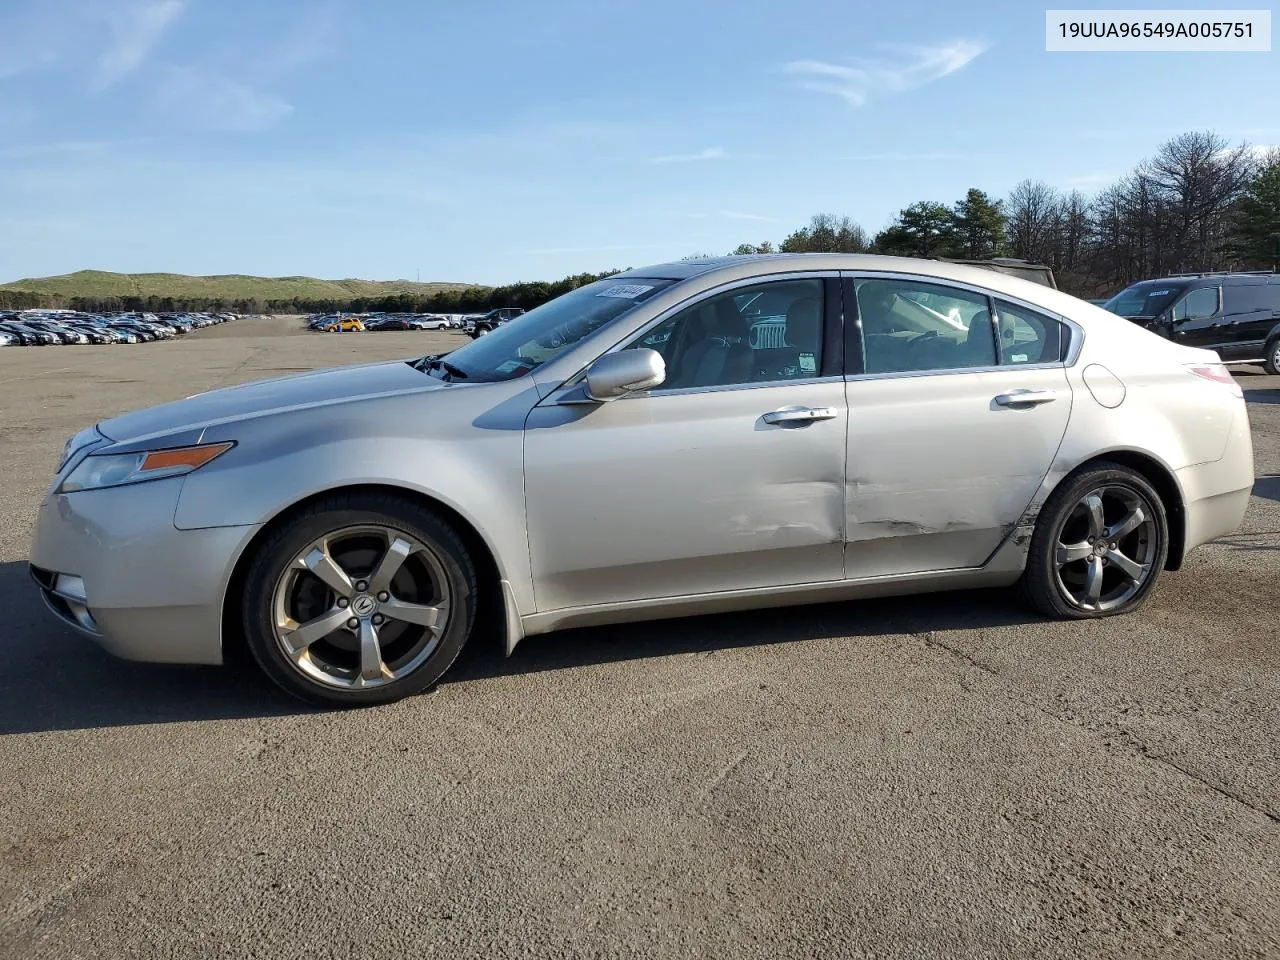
(1106, 548)
(361, 607)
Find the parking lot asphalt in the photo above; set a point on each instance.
(940, 776)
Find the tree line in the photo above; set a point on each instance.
(1199, 204)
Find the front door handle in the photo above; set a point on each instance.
(798, 415)
(1025, 398)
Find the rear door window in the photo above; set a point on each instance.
(911, 326)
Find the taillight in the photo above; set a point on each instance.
(1218, 373)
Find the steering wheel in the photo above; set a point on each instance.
(924, 338)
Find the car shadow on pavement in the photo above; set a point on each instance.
(921, 614)
(1262, 396)
(1267, 487)
(55, 679)
(51, 678)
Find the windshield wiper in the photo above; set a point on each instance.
(450, 371)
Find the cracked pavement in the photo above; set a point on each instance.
(942, 776)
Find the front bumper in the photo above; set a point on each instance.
(111, 564)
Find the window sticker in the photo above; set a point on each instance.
(626, 291)
(1018, 358)
(808, 364)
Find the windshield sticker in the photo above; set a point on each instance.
(1158, 293)
(626, 291)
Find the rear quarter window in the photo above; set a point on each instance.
(1027, 336)
(1247, 298)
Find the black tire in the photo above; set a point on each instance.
(1272, 362)
(339, 512)
(1048, 591)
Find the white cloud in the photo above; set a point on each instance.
(314, 34)
(875, 157)
(903, 68)
(604, 249)
(710, 153)
(215, 102)
(67, 147)
(135, 30)
(723, 214)
(755, 217)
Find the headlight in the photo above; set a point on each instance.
(114, 470)
(84, 440)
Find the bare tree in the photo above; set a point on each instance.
(1196, 178)
(1073, 232)
(1032, 211)
(827, 233)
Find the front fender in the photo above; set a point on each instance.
(463, 448)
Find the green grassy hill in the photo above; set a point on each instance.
(101, 284)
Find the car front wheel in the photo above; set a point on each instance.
(1272, 362)
(1099, 545)
(360, 599)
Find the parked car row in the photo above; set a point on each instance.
(360, 322)
(40, 328)
(1237, 315)
(474, 325)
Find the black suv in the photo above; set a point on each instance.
(1236, 314)
(492, 320)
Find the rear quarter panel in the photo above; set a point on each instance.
(1163, 411)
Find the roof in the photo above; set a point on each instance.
(711, 270)
(1258, 276)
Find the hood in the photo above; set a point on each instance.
(191, 416)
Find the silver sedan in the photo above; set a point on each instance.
(686, 438)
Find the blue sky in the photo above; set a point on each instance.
(497, 141)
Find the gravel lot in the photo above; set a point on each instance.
(946, 776)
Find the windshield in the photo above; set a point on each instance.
(1145, 299)
(530, 340)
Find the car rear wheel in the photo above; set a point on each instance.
(1099, 545)
(1272, 362)
(361, 599)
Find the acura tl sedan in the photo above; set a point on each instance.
(687, 438)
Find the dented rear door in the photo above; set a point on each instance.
(942, 464)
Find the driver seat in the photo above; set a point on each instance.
(722, 353)
(980, 342)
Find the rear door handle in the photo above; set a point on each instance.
(798, 415)
(1025, 398)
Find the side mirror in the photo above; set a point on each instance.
(616, 374)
